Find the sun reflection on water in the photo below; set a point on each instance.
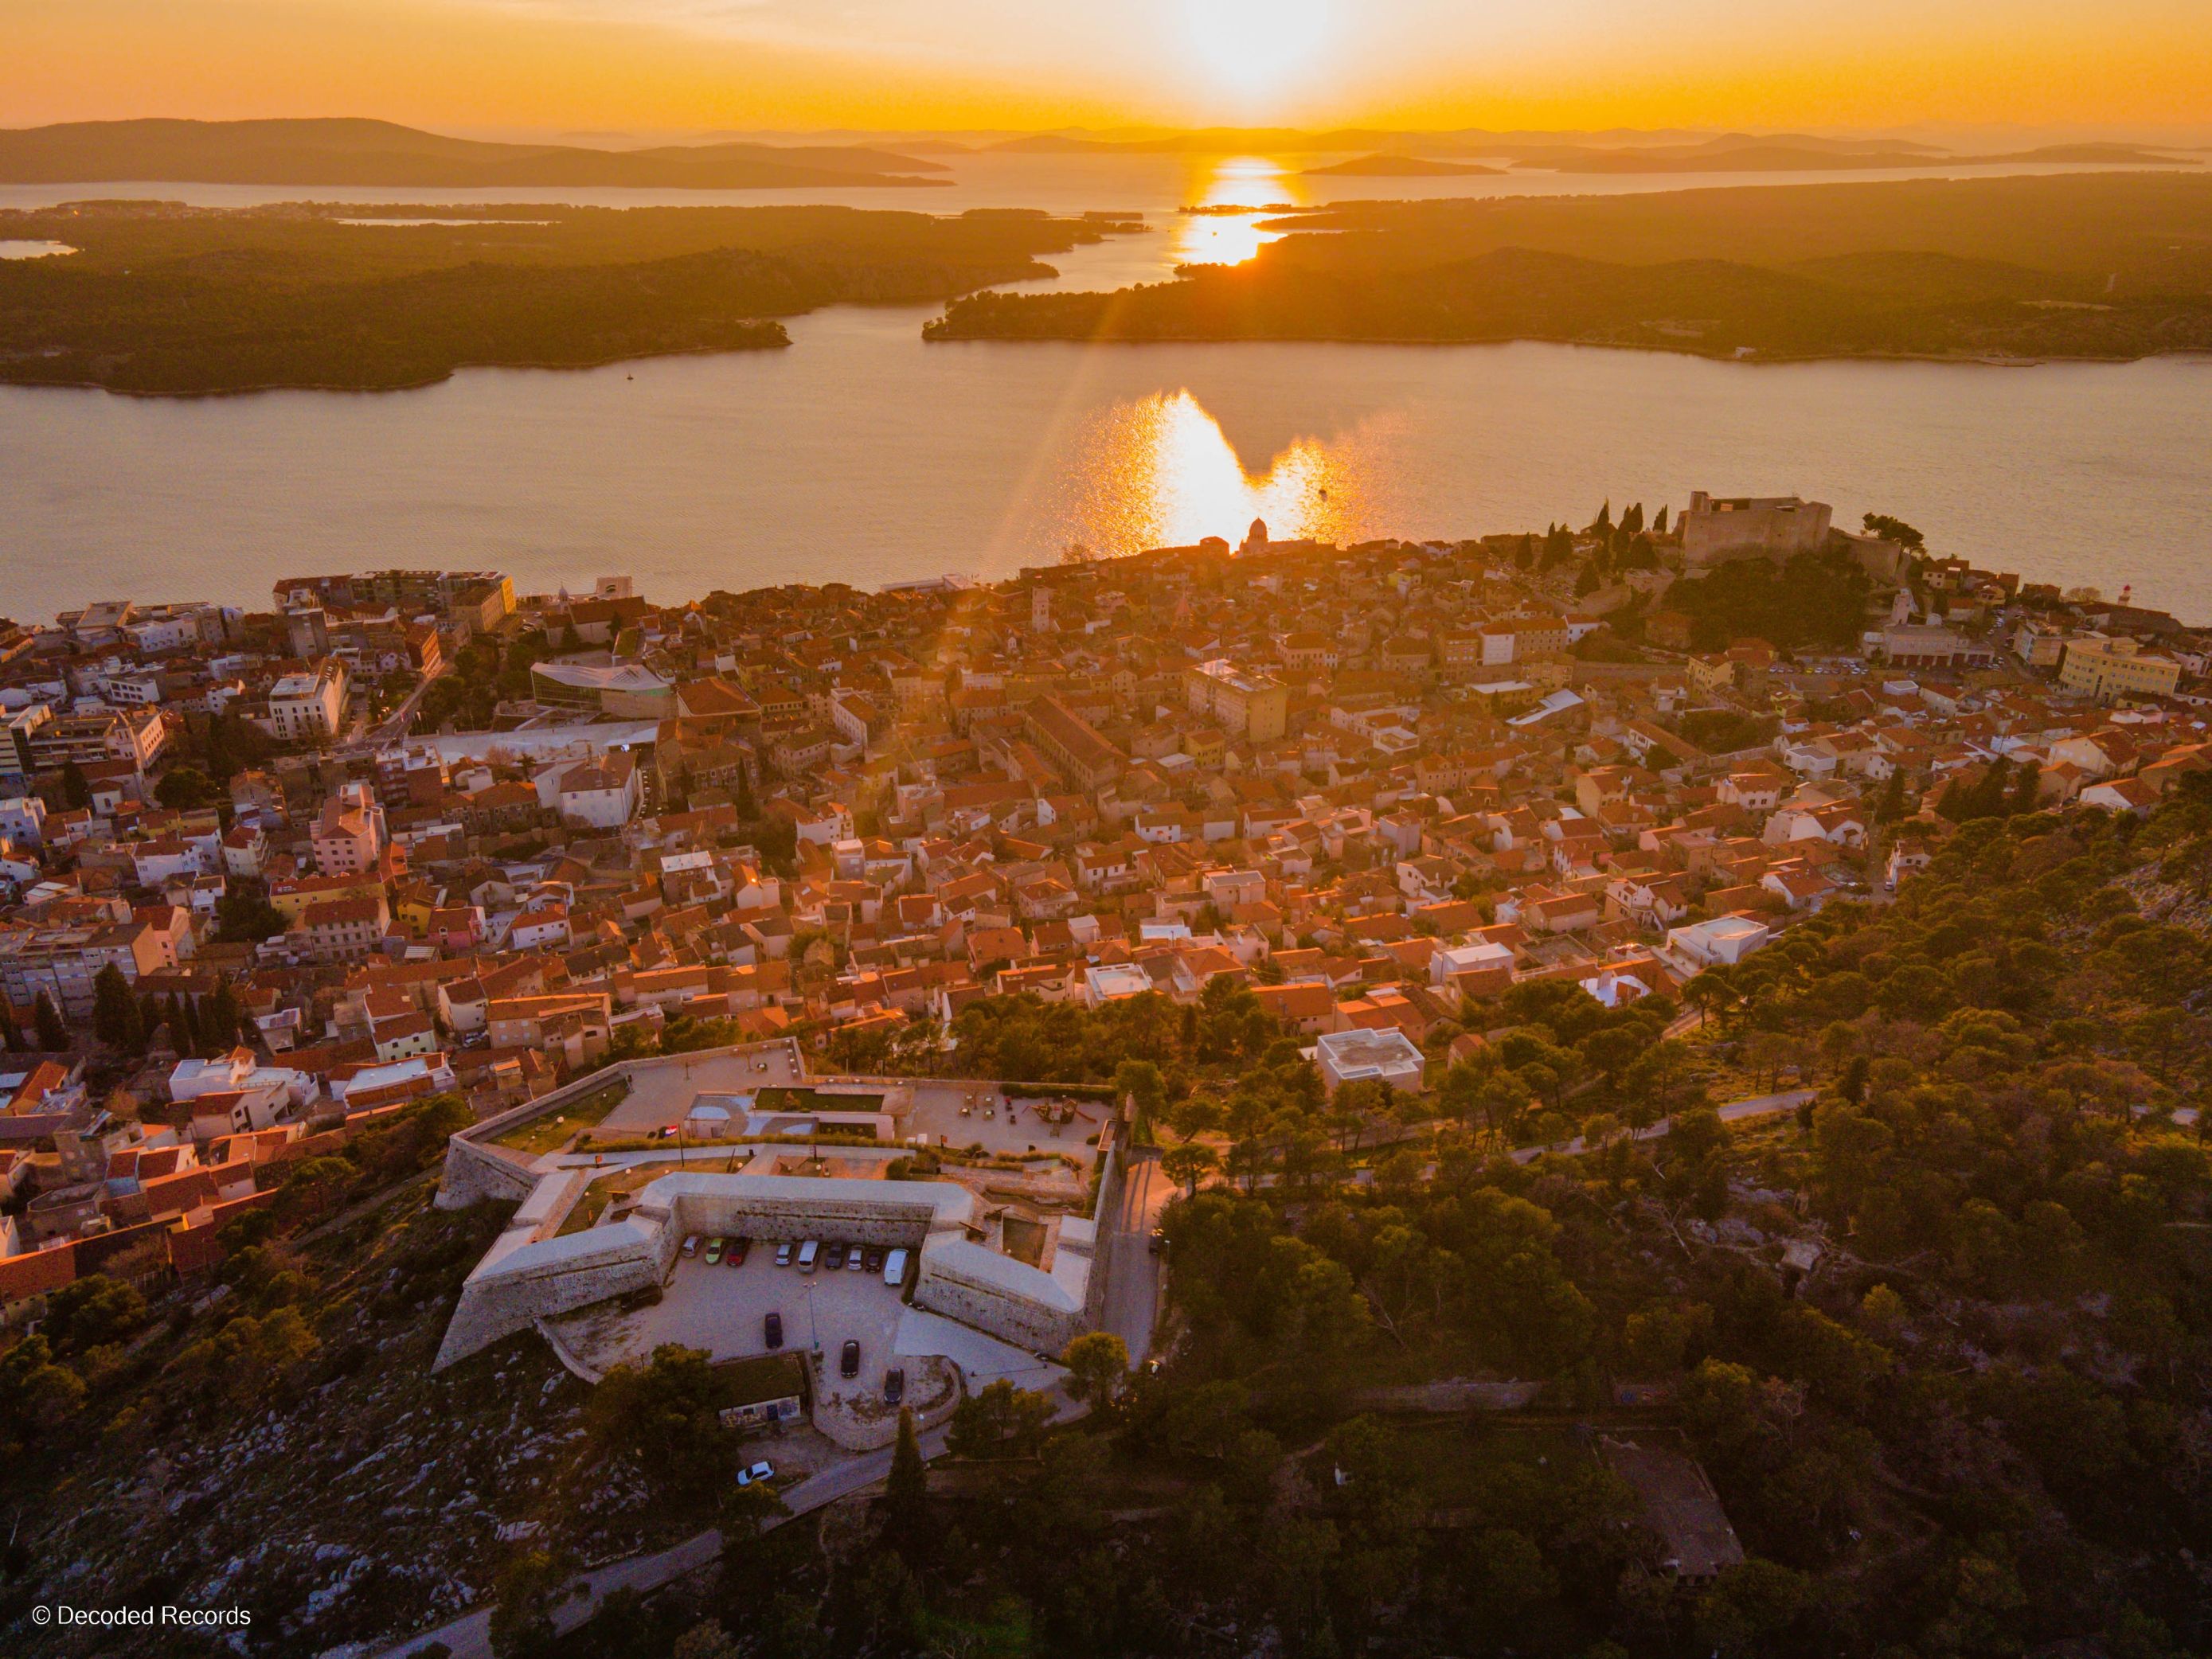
(1158, 472)
(1230, 238)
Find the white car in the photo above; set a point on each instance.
(762, 1470)
(691, 1245)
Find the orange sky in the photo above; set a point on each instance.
(667, 65)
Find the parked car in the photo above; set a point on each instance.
(714, 1252)
(875, 1258)
(894, 1385)
(736, 1251)
(772, 1330)
(783, 1254)
(762, 1470)
(834, 1257)
(691, 1245)
(807, 1252)
(852, 1261)
(895, 1269)
(1158, 1243)
(849, 1365)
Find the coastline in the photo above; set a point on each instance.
(194, 395)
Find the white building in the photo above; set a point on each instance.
(308, 707)
(1721, 940)
(1386, 1055)
(237, 1072)
(600, 794)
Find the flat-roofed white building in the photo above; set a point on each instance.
(1386, 1055)
(1721, 941)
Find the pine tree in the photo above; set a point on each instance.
(77, 792)
(748, 808)
(2027, 789)
(151, 1020)
(1633, 520)
(9, 1031)
(53, 1034)
(1659, 524)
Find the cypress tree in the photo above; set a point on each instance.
(114, 1010)
(53, 1033)
(185, 1023)
(219, 1021)
(906, 1491)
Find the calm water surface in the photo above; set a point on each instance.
(862, 454)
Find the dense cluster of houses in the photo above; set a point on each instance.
(1381, 786)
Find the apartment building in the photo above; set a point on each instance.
(350, 835)
(1252, 706)
(63, 962)
(308, 707)
(343, 930)
(2108, 668)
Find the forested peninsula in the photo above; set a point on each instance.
(2114, 266)
(157, 298)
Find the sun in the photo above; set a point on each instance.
(1255, 48)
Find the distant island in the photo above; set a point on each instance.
(164, 299)
(380, 152)
(2103, 266)
(1574, 152)
(1738, 154)
(1400, 167)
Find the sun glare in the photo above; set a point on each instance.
(1158, 472)
(1255, 46)
(1230, 239)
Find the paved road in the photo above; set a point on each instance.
(1133, 1284)
(1132, 1300)
(469, 1637)
(1735, 1112)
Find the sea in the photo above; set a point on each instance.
(863, 455)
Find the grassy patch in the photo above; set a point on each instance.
(763, 1376)
(775, 1097)
(557, 1127)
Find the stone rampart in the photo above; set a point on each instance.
(996, 1294)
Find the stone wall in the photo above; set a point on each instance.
(894, 1213)
(1104, 1215)
(522, 1280)
(474, 1173)
(1007, 1299)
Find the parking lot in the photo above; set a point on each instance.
(723, 1309)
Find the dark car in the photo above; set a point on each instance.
(735, 1251)
(850, 1364)
(894, 1385)
(875, 1263)
(833, 1257)
(772, 1328)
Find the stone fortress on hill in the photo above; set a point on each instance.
(1000, 1244)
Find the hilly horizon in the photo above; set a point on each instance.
(362, 151)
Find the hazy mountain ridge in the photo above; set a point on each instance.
(346, 151)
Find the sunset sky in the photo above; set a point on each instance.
(672, 65)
